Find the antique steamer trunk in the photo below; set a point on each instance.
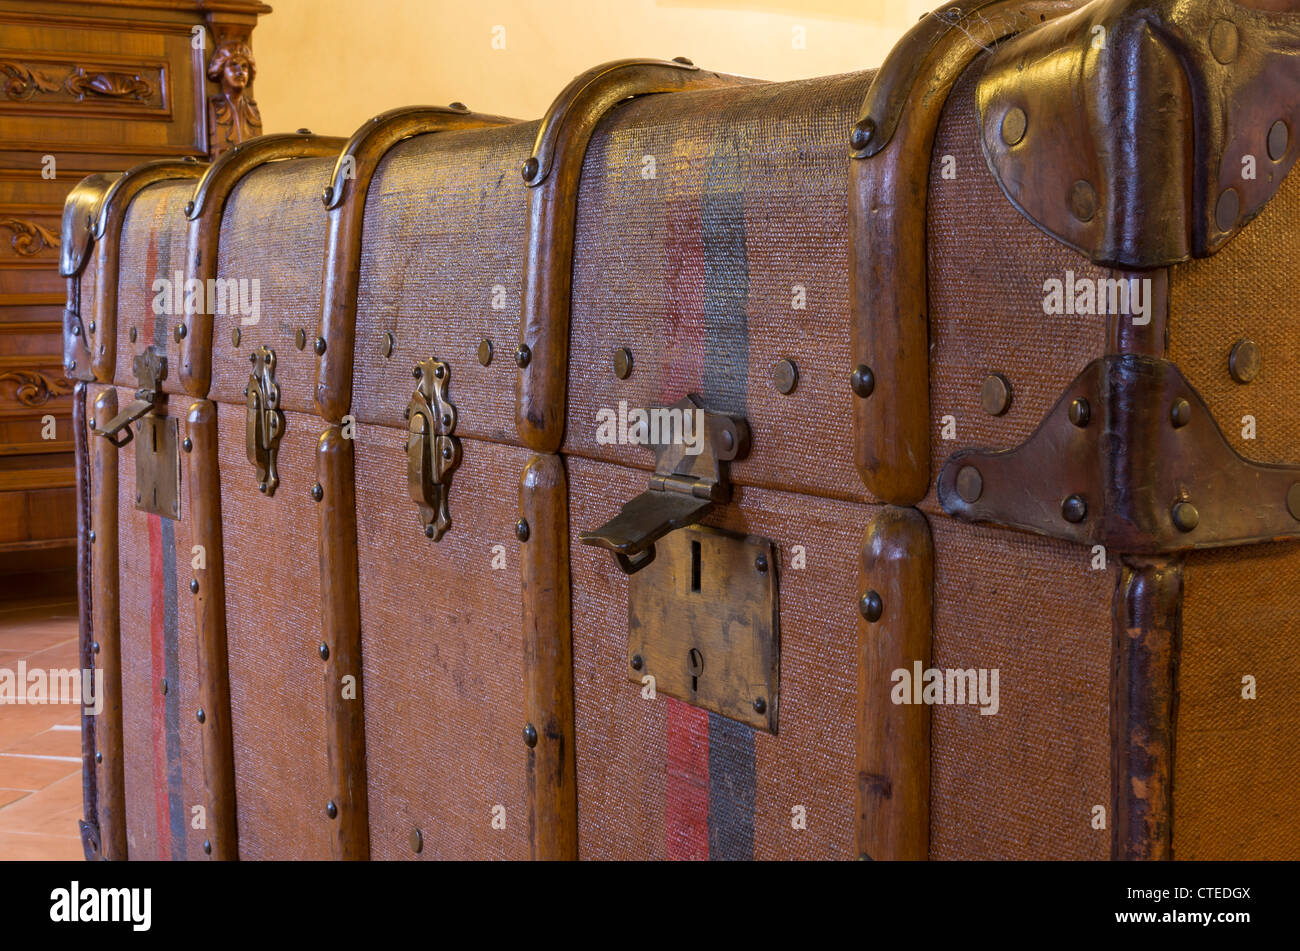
(893, 465)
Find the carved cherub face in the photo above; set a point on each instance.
(232, 66)
(238, 72)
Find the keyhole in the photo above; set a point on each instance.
(696, 668)
(695, 566)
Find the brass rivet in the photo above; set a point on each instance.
(521, 530)
(1228, 211)
(458, 106)
(1074, 509)
(188, 444)
(970, 484)
(1244, 360)
(327, 195)
(207, 847)
(1185, 516)
(1014, 125)
(317, 493)
(300, 339)
(1080, 412)
(1225, 41)
(995, 395)
(76, 330)
(530, 169)
(180, 332)
(201, 716)
(1083, 201)
(417, 841)
(760, 564)
(530, 735)
(319, 346)
(331, 810)
(485, 351)
(862, 135)
(863, 381)
(1293, 501)
(304, 131)
(637, 662)
(415, 373)
(387, 344)
(683, 60)
(1180, 414)
(133, 334)
(622, 363)
(760, 705)
(162, 686)
(92, 326)
(324, 651)
(871, 606)
(194, 585)
(523, 355)
(785, 376)
(189, 208)
(439, 371)
(1279, 138)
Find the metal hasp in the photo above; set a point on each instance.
(265, 419)
(157, 453)
(703, 621)
(432, 452)
(1130, 458)
(691, 445)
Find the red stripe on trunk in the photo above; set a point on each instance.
(158, 670)
(686, 819)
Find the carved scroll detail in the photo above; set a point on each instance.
(36, 388)
(29, 238)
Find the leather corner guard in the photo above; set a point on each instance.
(204, 213)
(552, 175)
(216, 734)
(108, 235)
(345, 202)
(77, 235)
(549, 733)
(341, 617)
(1130, 458)
(888, 192)
(1146, 132)
(896, 588)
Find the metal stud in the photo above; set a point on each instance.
(1080, 412)
(1244, 360)
(530, 169)
(1225, 41)
(683, 60)
(76, 330)
(300, 339)
(1228, 211)
(995, 395)
(530, 735)
(207, 847)
(522, 530)
(637, 662)
(92, 326)
(92, 537)
(327, 195)
(317, 493)
(459, 106)
(1185, 516)
(417, 841)
(180, 332)
(1083, 201)
(1279, 138)
(522, 355)
(415, 373)
(387, 343)
(760, 564)
(1180, 414)
(99, 757)
(94, 647)
(970, 484)
(1014, 125)
(485, 352)
(324, 651)
(862, 135)
(331, 810)
(785, 376)
(430, 531)
(201, 716)
(132, 334)
(863, 381)
(622, 363)
(1074, 509)
(187, 444)
(319, 346)
(871, 606)
(760, 705)
(194, 585)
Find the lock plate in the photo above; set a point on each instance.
(158, 466)
(703, 621)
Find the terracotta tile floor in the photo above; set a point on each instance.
(40, 745)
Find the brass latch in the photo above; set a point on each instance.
(691, 444)
(150, 370)
(432, 452)
(265, 419)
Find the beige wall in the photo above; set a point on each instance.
(329, 65)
